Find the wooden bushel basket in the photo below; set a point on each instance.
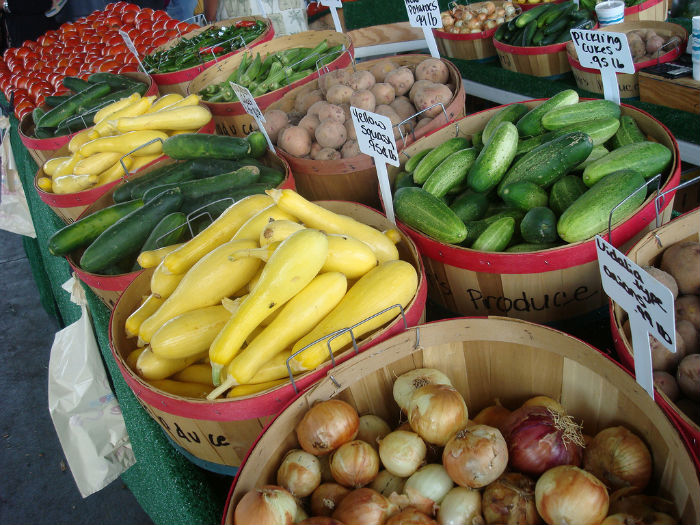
(219, 433)
(539, 61)
(544, 286)
(648, 252)
(177, 81)
(488, 359)
(42, 150)
(355, 179)
(230, 117)
(650, 10)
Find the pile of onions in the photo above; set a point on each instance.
(510, 499)
(354, 464)
(372, 429)
(436, 412)
(387, 484)
(326, 497)
(493, 416)
(461, 506)
(299, 473)
(568, 494)
(364, 506)
(402, 452)
(427, 487)
(409, 382)
(475, 456)
(411, 516)
(326, 426)
(269, 504)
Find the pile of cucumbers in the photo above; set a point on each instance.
(169, 204)
(532, 179)
(544, 25)
(71, 113)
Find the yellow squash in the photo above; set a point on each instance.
(390, 283)
(45, 184)
(181, 388)
(78, 140)
(275, 368)
(187, 117)
(73, 183)
(150, 366)
(277, 231)
(196, 373)
(164, 101)
(256, 224)
(133, 357)
(163, 283)
(293, 265)
(248, 390)
(189, 333)
(142, 160)
(189, 100)
(51, 165)
(96, 163)
(116, 172)
(126, 143)
(66, 167)
(143, 312)
(152, 258)
(116, 106)
(348, 256)
(105, 127)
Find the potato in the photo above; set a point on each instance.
(402, 80)
(275, 120)
(362, 80)
(682, 260)
(339, 94)
(654, 44)
(295, 141)
(331, 111)
(390, 112)
(431, 95)
(346, 111)
(637, 48)
(350, 129)
(663, 359)
(363, 99)
(309, 123)
(380, 70)
(403, 107)
(418, 85)
(316, 107)
(383, 93)
(688, 377)
(350, 149)
(315, 148)
(327, 154)
(331, 134)
(664, 278)
(423, 122)
(667, 384)
(690, 335)
(335, 77)
(688, 307)
(433, 69)
(690, 409)
(305, 100)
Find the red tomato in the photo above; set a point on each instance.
(160, 41)
(22, 112)
(20, 95)
(173, 33)
(109, 65)
(30, 44)
(57, 84)
(127, 68)
(21, 82)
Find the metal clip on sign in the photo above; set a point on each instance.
(334, 335)
(655, 178)
(203, 212)
(121, 159)
(325, 67)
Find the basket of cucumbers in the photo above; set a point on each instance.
(534, 42)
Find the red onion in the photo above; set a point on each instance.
(539, 438)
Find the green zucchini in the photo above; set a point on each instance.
(122, 192)
(114, 80)
(646, 158)
(83, 231)
(181, 172)
(596, 153)
(496, 236)
(510, 113)
(210, 186)
(450, 173)
(547, 163)
(528, 32)
(428, 163)
(113, 96)
(201, 145)
(67, 108)
(54, 100)
(524, 195)
(223, 199)
(75, 84)
(412, 163)
(564, 193)
(124, 238)
(493, 161)
(539, 226)
(170, 230)
(581, 112)
(531, 123)
(628, 133)
(428, 214)
(470, 206)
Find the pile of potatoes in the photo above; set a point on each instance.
(645, 44)
(320, 126)
(477, 18)
(678, 375)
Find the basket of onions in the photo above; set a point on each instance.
(467, 30)
(470, 421)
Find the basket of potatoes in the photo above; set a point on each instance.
(313, 131)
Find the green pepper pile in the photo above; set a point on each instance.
(545, 24)
(214, 42)
(262, 75)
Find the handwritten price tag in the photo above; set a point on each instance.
(607, 51)
(251, 107)
(333, 6)
(375, 137)
(648, 303)
(426, 15)
(131, 47)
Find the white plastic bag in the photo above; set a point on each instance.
(84, 411)
(14, 212)
(288, 16)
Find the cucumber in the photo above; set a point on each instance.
(114, 80)
(210, 186)
(201, 145)
(628, 133)
(67, 108)
(428, 163)
(539, 226)
(596, 153)
(528, 16)
(530, 247)
(258, 144)
(531, 123)
(476, 228)
(450, 173)
(271, 177)
(403, 180)
(478, 140)
(180, 173)
(223, 200)
(524, 146)
(124, 238)
(78, 122)
(470, 206)
(122, 192)
(510, 113)
(524, 195)
(547, 163)
(600, 130)
(493, 161)
(646, 158)
(138, 87)
(170, 230)
(209, 167)
(428, 214)
(583, 111)
(496, 236)
(54, 100)
(37, 113)
(412, 163)
(589, 214)
(564, 193)
(75, 84)
(83, 231)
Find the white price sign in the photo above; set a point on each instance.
(333, 6)
(131, 47)
(426, 15)
(375, 137)
(251, 107)
(648, 303)
(607, 51)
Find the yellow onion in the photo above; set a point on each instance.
(364, 507)
(436, 412)
(411, 516)
(326, 497)
(510, 500)
(326, 426)
(629, 501)
(619, 458)
(475, 456)
(299, 473)
(402, 452)
(372, 429)
(655, 518)
(326, 476)
(269, 504)
(427, 487)
(545, 401)
(568, 495)
(355, 464)
(407, 383)
(387, 484)
(319, 520)
(493, 416)
(461, 506)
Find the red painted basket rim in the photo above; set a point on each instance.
(112, 283)
(529, 50)
(641, 7)
(527, 7)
